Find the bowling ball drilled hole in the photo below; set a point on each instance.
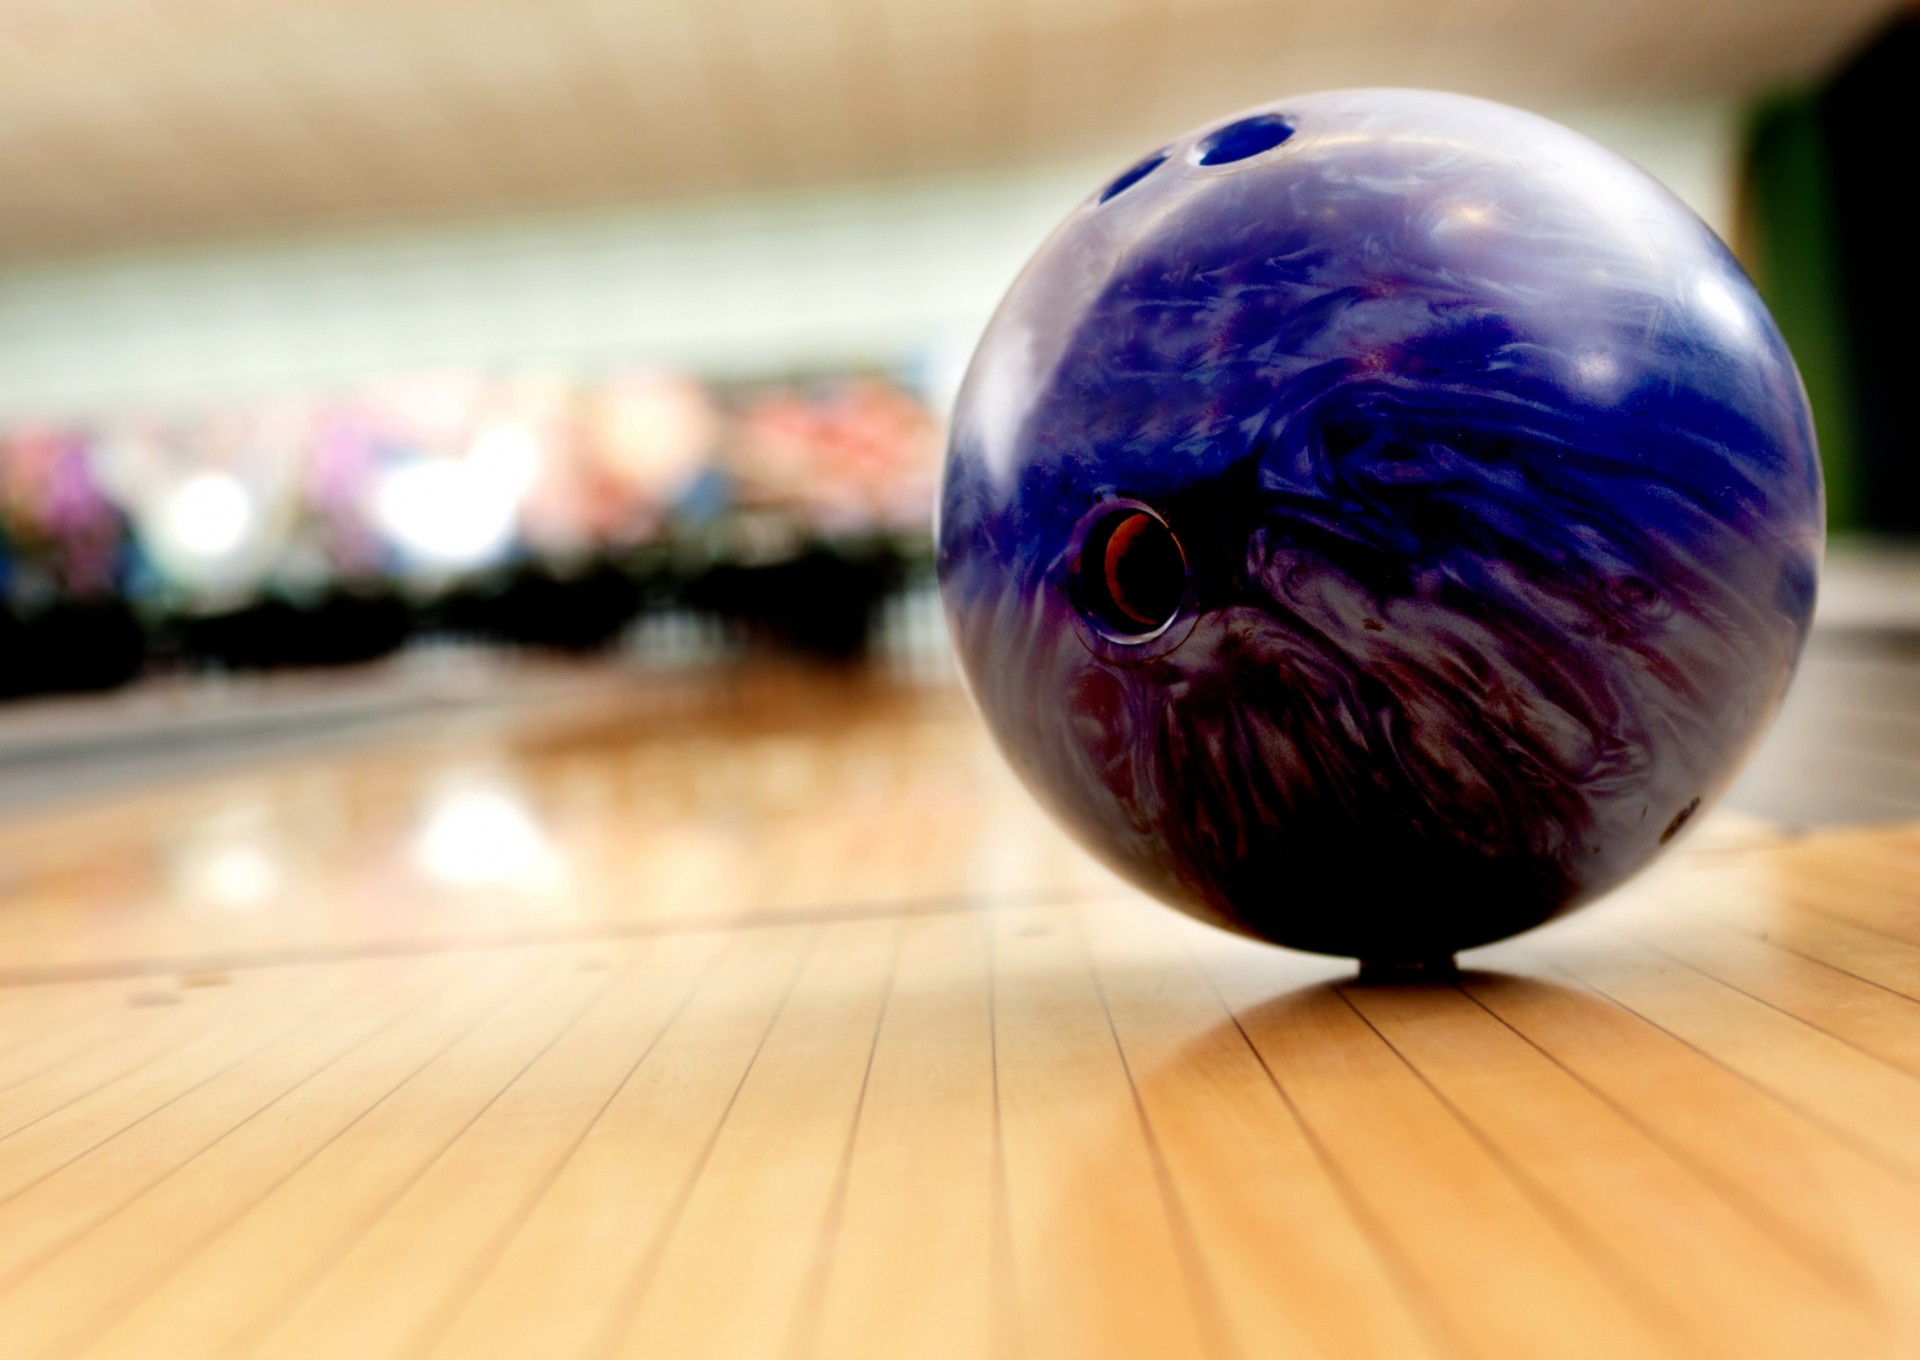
(1248, 137)
(1134, 175)
(1132, 575)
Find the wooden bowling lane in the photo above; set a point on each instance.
(770, 1020)
(771, 796)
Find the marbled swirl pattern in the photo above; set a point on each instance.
(1500, 504)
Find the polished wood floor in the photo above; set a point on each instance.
(764, 1017)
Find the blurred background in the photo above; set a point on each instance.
(363, 358)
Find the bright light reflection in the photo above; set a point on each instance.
(1596, 370)
(507, 458)
(240, 877)
(444, 513)
(208, 515)
(455, 514)
(1720, 303)
(1007, 388)
(479, 837)
(229, 865)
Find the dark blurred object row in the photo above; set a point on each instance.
(534, 510)
(822, 602)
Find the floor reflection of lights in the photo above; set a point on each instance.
(485, 835)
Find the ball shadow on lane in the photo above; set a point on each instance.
(1261, 1123)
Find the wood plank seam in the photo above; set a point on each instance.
(1200, 1284)
(187, 1041)
(377, 1298)
(394, 1015)
(105, 1082)
(1879, 1058)
(1653, 1308)
(1419, 1302)
(1560, 1282)
(621, 1316)
(271, 1040)
(459, 1298)
(735, 1271)
(1766, 935)
(7, 1279)
(807, 1318)
(1800, 903)
(345, 1244)
(103, 1324)
(585, 1238)
(915, 1248)
(1859, 1217)
(110, 1027)
(1095, 1264)
(1005, 1287)
(1702, 1171)
(1798, 958)
(1812, 1117)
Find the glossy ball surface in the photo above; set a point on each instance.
(1381, 522)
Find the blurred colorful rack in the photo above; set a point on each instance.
(535, 508)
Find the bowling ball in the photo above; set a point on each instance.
(1380, 522)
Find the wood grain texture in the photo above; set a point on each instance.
(780, 1024)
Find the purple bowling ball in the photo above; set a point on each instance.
(1380, 522)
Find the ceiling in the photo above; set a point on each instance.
(135, 122)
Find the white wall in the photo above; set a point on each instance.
(881, 274)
